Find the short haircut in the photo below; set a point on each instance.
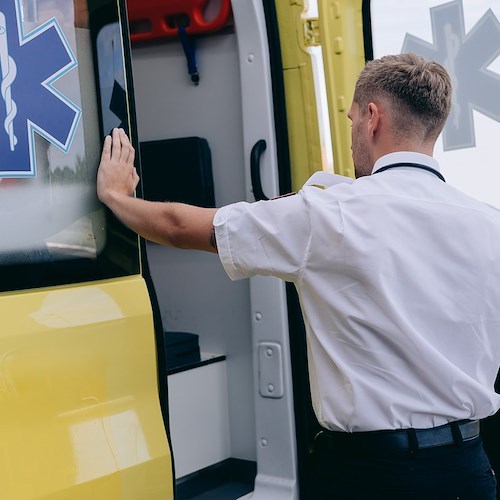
(418, 92)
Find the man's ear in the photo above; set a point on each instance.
(373, 119)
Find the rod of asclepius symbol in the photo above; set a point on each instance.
(9, 72)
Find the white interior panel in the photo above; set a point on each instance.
(199, 417)
(194, 292)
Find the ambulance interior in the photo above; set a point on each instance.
(196, 140)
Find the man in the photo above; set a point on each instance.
(397, 274)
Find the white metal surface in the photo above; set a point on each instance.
(275, 423)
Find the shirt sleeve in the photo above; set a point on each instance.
(270, 238)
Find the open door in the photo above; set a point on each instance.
(80, 410)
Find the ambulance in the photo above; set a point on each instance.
(129, 370)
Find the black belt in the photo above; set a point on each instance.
(401, 439)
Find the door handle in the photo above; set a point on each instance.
(259, 147)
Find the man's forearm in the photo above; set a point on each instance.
(172, 224)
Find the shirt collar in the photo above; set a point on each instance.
(406, 157)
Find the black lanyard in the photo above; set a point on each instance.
(412, 165)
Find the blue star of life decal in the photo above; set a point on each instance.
(30, 64)
(466, 57)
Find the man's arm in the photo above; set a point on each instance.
(172, 224)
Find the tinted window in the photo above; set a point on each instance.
(63, 87)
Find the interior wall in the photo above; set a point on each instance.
(194, 292)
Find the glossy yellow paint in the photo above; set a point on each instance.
(341, 29)
(79, 411)
(300, 97)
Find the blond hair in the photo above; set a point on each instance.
(417, 91)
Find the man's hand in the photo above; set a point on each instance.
(116, 175)
(173, 224)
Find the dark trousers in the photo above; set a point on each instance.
(458, 471)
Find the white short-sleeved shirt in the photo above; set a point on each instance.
(398, 275)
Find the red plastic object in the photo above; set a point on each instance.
(155, 19)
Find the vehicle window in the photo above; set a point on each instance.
(58, 99)
(464, 36)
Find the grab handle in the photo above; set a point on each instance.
(257, 150)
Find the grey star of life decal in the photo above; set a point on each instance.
(466, 57)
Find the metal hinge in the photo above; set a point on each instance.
(312, 36)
